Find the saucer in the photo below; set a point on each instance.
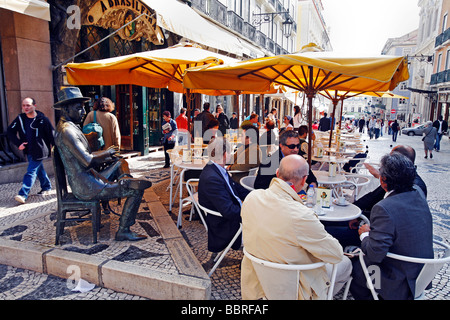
(336, 202)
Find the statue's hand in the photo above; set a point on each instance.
(114, 152)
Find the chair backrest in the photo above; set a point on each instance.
(430, 269)
(279, 281)
(194, 197)
(209, 211)
(248, 182)
(359, 180)
(60, 174)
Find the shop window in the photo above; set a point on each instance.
(89, 35)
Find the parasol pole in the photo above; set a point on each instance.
(238, 92)
(335, 102)
(188, 105)
(342, 107)
(310, 94)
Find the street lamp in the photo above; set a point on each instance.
(269, 16)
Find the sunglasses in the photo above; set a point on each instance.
(293, 146)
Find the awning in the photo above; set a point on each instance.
(422, 91)
(34, 8)
(180, 19)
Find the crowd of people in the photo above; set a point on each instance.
(277, 225)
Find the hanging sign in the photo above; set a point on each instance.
(116, 13)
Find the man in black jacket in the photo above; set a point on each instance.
(441, 127)
(324, 123)
(32, 133)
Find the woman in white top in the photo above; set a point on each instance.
(297, 117)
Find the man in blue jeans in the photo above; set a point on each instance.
(441, 126)
(32, 132)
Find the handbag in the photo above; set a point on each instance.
(96, 128)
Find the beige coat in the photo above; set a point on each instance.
(110, 125)
(279, 228)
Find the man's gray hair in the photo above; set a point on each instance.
(293, 173)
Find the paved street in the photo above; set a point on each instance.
(20, 284)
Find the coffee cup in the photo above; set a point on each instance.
(341, 200)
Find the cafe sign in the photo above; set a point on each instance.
(116, 13)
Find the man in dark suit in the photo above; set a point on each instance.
(324, 123)
(218, 192)
(401, 223)
(361, 124)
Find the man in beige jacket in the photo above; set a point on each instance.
(278, 227)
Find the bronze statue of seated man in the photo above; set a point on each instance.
(100, 175)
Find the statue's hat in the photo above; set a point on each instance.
(69, 95)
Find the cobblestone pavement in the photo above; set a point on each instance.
(20, 284)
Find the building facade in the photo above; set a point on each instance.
(398, 108)
(440, 79)
(311, 25)
(423, 98)
(25, 65)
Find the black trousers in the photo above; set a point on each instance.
(167, 146)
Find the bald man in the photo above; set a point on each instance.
(278, 227)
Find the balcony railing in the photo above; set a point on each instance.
(440, 77)
(442, 38)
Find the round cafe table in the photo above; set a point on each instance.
(331, 159)
(323, 178)
(346, 152)
(338, 212)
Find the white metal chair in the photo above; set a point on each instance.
(358, 181)
(281, 281)
(222, 255)
(430, 269)
(193, 198)
(248, 182)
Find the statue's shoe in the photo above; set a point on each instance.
(136, 184)
(130, 236)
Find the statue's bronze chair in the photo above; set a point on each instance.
(67, 202)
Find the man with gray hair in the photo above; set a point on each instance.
(278, 227)
(401, 223)
(218, 192)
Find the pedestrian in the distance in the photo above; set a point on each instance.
(441, 127)
(169, 129)
(32, 132)
(429, 138)
(394, 129)
(103, 109)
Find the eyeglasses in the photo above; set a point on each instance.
(293, 146)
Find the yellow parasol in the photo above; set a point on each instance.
(309, 72)
(161, 68)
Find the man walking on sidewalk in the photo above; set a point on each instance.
(441, 126)
(32, 133)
